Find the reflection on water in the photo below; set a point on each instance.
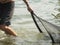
(7, 41)
(10, 40)
(57, 9)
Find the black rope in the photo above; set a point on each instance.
(33, 14)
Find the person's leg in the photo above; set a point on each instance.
(8, 30)
(6, 12)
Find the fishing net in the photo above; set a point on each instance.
(45, 26)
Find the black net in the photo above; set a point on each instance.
(44, 26)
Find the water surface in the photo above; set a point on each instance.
(23, 24)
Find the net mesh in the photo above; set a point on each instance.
(45, 26)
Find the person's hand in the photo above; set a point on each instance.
(29, 9)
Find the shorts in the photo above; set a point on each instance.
(6, 12)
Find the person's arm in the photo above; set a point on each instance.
(28, 7)
(26, 2)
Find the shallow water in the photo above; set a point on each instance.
(23, 24)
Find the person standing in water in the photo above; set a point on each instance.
(6, 12)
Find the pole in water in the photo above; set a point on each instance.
(36, 23)
(51, 37)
